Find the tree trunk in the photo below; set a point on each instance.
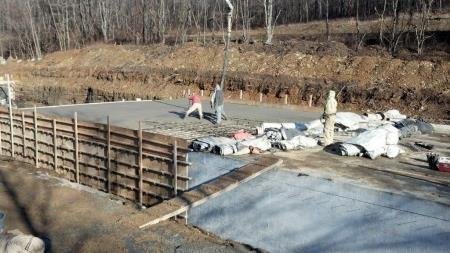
(227, 43)
(327, 21)
(268, 11)
(34, 34)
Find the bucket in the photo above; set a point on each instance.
(444, 164)
(2, 221)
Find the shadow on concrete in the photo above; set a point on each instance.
(169, 104)
(322, 216)
(414, 165)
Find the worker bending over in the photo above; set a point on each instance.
(195, 104)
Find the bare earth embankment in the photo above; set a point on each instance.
(368, 79)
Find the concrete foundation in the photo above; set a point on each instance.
(281, 212)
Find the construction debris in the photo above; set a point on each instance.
(372, 135)
(373, 143)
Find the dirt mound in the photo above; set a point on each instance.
(373, 82)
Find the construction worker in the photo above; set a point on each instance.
(217, 100)
(330, 117)
(195, 104)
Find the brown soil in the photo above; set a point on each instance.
(73, 218)
(417, 87)
(368, 79)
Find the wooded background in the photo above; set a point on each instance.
(29, 28)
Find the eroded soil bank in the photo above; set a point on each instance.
(418, 88)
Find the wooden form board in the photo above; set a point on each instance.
(92, 153)
(204, 192)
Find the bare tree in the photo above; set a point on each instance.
(162, 21)
(397, 28)
(327, 12)
(34, 33)
(381, 21)
(423, 24)
(227, 42)
(104, 20)
(268, 13)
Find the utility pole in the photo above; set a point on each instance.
(227, 43)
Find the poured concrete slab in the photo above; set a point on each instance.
(281, 212)
(127, 114)
(206, 167)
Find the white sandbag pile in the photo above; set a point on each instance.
(207, 144)
(377, 134)
(373, 143)
(297, 142)
(17, 242)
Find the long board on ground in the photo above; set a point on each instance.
(204, 192)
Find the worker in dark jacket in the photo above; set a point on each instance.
(217, 100)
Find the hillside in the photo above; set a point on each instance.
(374, 82)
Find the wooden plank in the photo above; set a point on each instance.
(200, 195)
(140, 163)
(36, 149)
(1, 141)
(175, 169)
(77, 149)
(108, 154)
(55, 146)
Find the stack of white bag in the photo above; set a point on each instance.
(17, 242)
(373, 143)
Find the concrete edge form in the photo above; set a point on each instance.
(204, 192)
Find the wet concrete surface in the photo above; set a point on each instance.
(206, 167)
(282, 212)
(127, 114)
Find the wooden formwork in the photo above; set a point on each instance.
(143, 167)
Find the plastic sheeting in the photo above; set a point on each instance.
(350, 121)
(17, 242)
(374, 142)
(394, 116)
(298, 142)
(410, 127)
(207, 144)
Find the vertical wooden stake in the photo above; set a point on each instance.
(108, 153)
(201, 93)
(24, 147)
(55, 146)
(76, 155)
(36, 151)
(175, 169)
(1, 149)
(241, 95)
(11, 120)
(260, 97)
(286, 99)
(140, 164)
(189, 92)
(310, 101)
(11, 123)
